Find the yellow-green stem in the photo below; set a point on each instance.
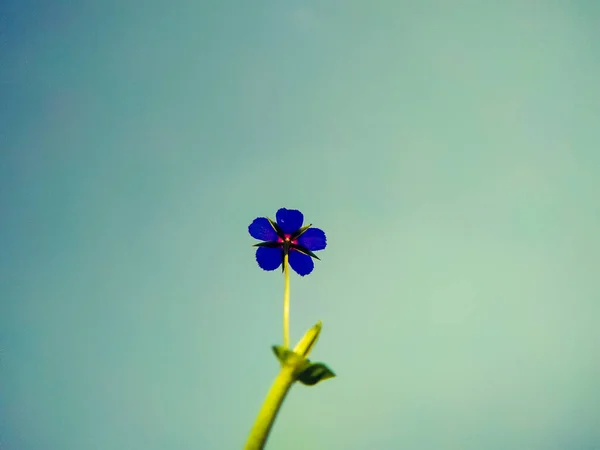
(269, 410)
(279, 389)
(286, 303)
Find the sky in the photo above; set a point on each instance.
(450, 151)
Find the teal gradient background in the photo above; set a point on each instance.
(451, 152)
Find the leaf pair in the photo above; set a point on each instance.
(304, 371)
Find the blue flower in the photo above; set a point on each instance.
(287, 236)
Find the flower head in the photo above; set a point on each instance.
(286, 236)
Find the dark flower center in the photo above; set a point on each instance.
(287, 238)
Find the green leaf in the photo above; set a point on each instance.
(288, 357)
(308, 341)
(314, 373)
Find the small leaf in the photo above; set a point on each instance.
(314, 373)
(287, 357)
(308, 341)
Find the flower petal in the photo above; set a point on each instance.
(313, 239)
(261, 229)
(289, 220)
(301, 263)
(268, 258)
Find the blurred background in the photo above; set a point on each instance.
(451, 152)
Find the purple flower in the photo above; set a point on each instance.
(287, 236)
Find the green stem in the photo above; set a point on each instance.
(286, 303)
(279, 389)
(270, 408)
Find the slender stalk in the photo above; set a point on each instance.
(286, 303)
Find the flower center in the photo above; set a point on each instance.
(287, 238)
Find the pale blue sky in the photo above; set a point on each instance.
(450, 153)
